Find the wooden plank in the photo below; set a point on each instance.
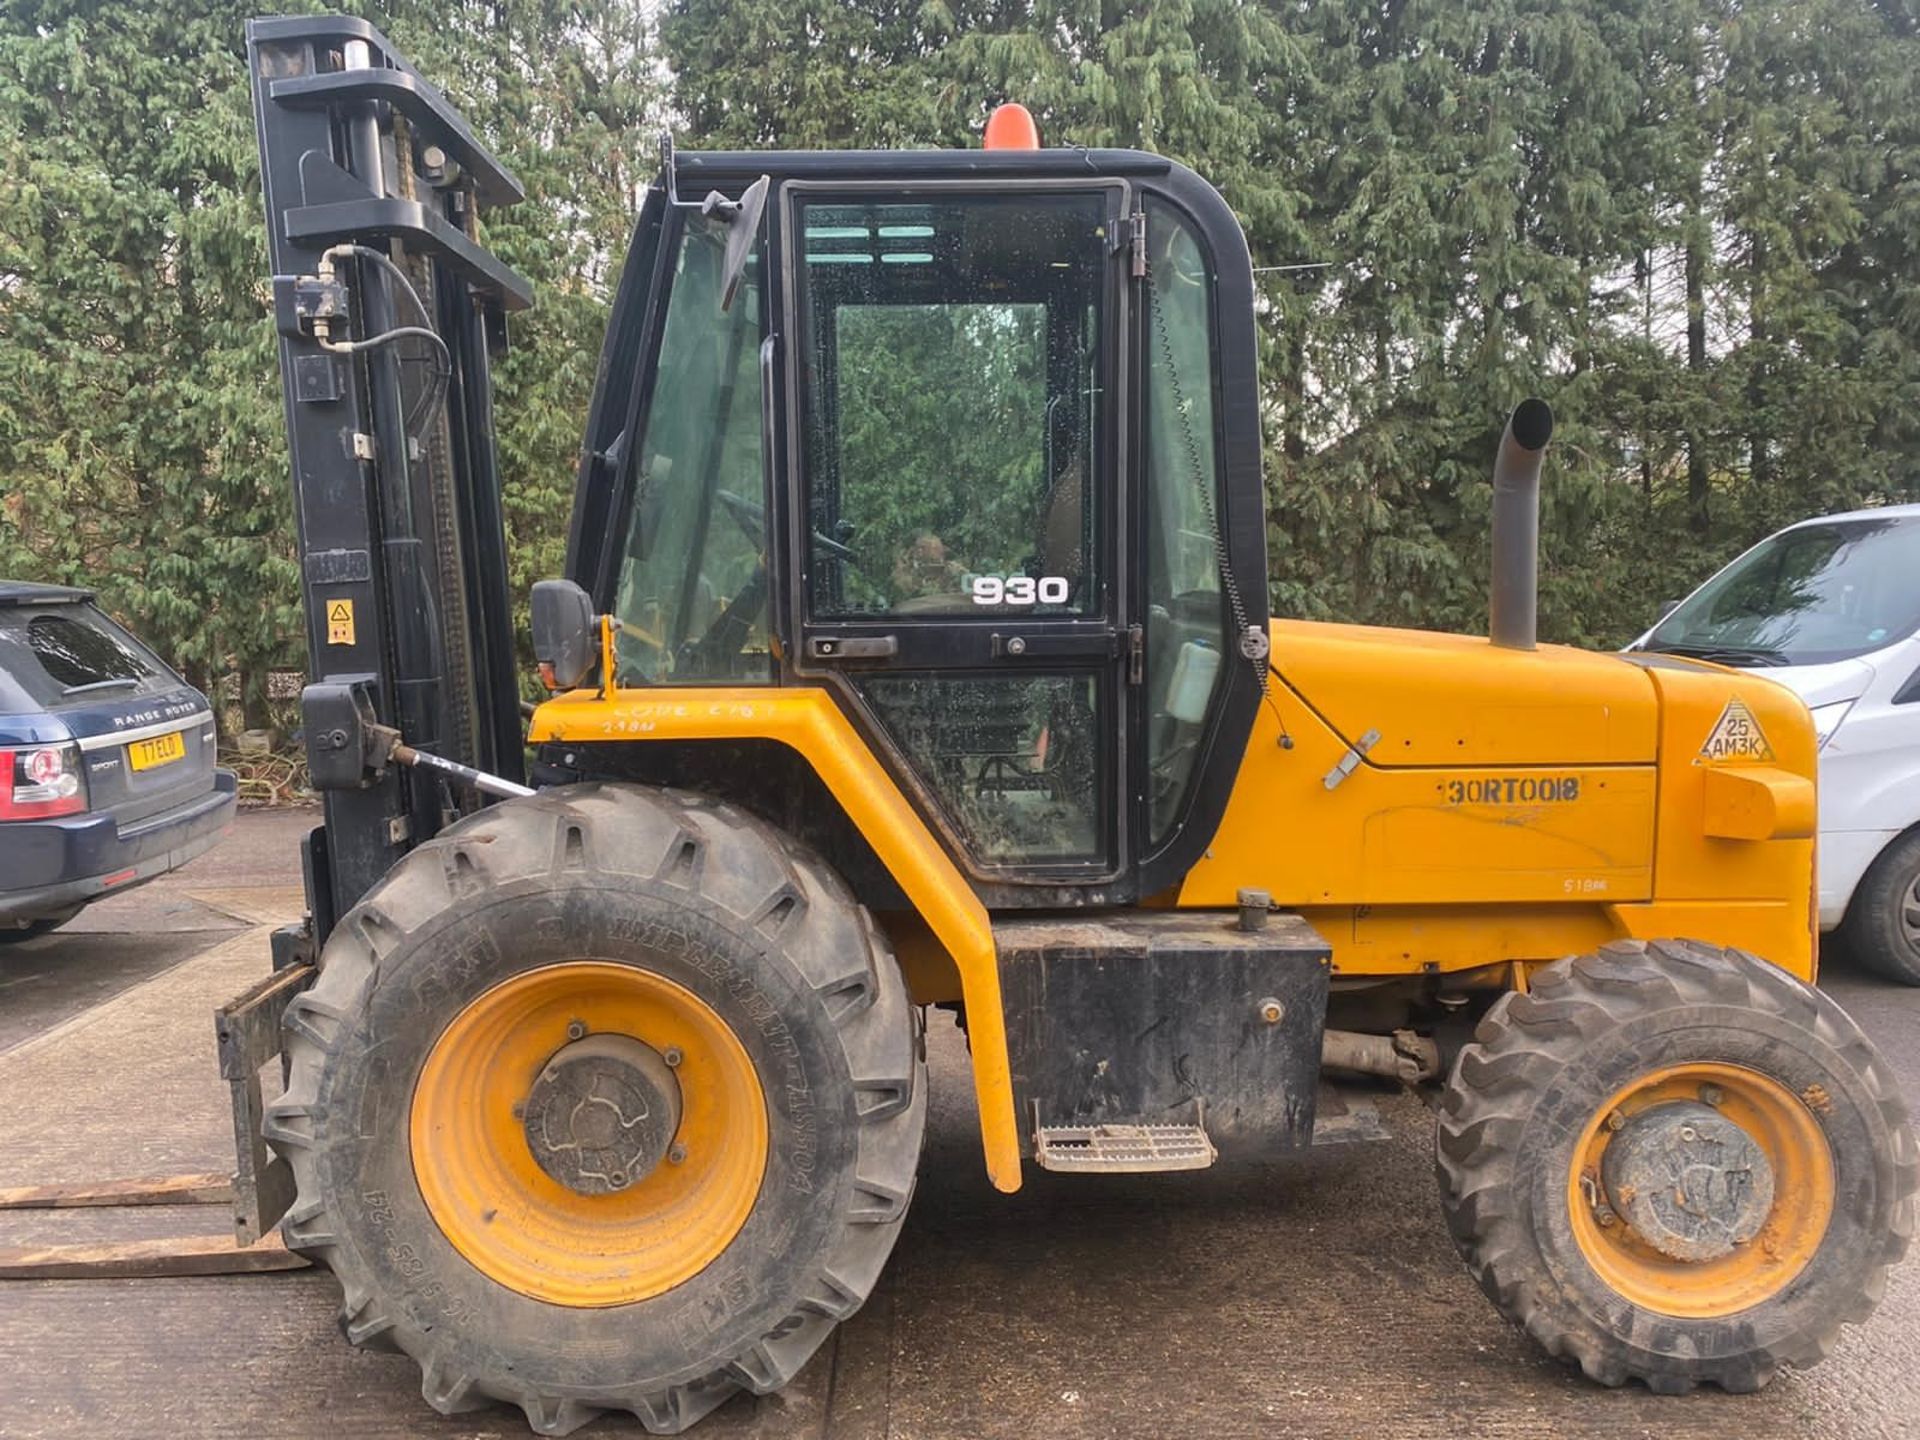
(199, 1188)
(146, 1259)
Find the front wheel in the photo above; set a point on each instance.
(1675, 1163)
(608, 1098)
(1882, 928)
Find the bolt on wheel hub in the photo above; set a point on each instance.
(1690, 1182)
(602, 1114)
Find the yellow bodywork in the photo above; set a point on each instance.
(1430, 803)
(1517, 805)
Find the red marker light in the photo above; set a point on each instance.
(1011, 127)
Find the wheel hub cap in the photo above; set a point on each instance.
(1690, 1182)
(602, 1113)
(589, 1133)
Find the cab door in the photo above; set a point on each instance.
(954, 372)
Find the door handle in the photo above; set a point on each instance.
(852, 647)
(1102, 644)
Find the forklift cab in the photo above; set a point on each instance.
(974, 447)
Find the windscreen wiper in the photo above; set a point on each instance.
(1727, 654)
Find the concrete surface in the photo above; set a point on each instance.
(1320, 1299)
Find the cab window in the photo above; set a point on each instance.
(1186, 621)
(952, 360)
(691, 596)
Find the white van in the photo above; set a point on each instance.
(1830, 608)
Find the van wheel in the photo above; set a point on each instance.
(1882, 928)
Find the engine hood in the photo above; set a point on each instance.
(1458, 700)
(1822, 684)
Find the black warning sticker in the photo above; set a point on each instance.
(1736, 735)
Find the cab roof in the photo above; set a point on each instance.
(1050, 163)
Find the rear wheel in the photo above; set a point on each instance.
(605, 1099)
(1882, 928)
(1678, 1164)
(29, 929)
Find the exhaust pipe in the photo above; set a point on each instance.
(1513, 607)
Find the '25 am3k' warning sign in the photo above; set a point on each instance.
(1736, 735)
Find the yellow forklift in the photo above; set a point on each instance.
(914, 652)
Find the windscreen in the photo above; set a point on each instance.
(1807, 596)
(692, 594)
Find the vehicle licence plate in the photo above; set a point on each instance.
(160, 750)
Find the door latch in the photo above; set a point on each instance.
(1350, 762)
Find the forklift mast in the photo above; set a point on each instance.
(389, 311)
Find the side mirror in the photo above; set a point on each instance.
(565, 637)
(1667, 607)
(743, 227)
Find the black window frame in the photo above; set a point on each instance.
(622, 390)
(1235, 698)
(949, 641)
(625, 381)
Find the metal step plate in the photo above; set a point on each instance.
(1122, 1149)
(1180, 1016)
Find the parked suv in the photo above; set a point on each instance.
(106, 760)
(1830, 608)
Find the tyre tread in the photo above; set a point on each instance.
(709, 844)
(1521, 1048)
(1871, 929)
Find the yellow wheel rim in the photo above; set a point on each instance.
(1782, 1127)
(513, 1220)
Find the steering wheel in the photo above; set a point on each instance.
(751, 516)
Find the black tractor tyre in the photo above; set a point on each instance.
(684, 887)
(1882, 928)
(1543, 1062)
